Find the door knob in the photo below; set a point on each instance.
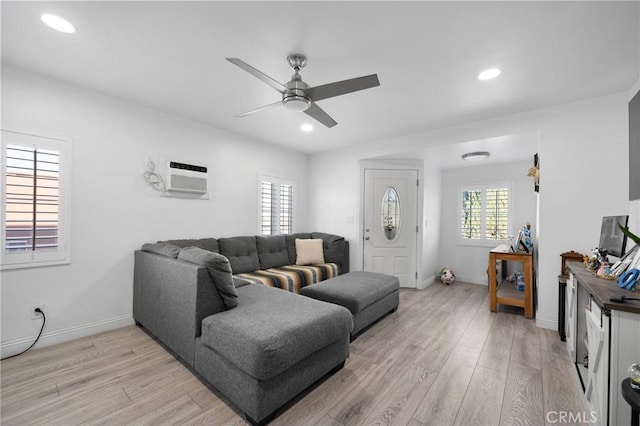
(366, 238)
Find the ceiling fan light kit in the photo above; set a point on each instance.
(298, 96)
(296, 103)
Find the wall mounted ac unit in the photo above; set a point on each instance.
(187, 180)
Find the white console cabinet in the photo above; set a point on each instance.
(603, 340)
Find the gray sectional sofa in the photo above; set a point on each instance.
(257, 345)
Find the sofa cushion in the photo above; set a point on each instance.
(272, 251)
(210, 244)
(241, 252)
(271, 330)
(291, 244)
(240, 282)
(309, 252)
(355, 290)
(292, 277)
(165, 249)
(219, 270)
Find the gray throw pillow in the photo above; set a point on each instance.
(219, 270)
(165, 249)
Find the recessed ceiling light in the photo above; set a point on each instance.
(489, 74)
(306, 127)
(58, 23)
(475, 156)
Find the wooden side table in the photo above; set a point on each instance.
(506, 292)
(633, 398)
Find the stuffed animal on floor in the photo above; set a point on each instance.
(446, 275)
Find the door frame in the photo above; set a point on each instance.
(417, 165)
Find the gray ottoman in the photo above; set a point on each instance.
(368, 295)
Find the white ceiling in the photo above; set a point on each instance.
(171, 56)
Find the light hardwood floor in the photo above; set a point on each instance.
(442, 359)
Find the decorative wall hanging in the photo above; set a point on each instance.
(534, 172)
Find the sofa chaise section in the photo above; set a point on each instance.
(271, 347)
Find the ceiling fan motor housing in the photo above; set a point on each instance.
(295, 98)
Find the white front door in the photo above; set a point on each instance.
(390, 223)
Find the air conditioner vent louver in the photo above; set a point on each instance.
(187, 178)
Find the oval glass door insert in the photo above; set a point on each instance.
(390, 214)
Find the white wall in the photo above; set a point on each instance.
(113, 211)
(431, 263)
(470, 262)
(584, 176)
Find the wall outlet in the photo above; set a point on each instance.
(36, 315)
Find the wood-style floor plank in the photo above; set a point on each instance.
(483, 399)
(558, 373)
(441, 359)
(526, 343)
(522, 402)
(496, 351)
(441, 404)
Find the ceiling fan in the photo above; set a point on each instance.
(299, 96)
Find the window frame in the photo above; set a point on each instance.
(62, 254)
(483, 187)
(278, 180)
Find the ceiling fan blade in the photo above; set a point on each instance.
(317, 113)
(262, 108)
(338, 88)
(258, 74)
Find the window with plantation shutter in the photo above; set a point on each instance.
(35, 172)
(276, 212)
(484, 214)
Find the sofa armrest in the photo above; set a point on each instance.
(170, 300)
(336, 250)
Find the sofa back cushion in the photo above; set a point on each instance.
(272, 251)
(165, 249)
(241, 252)
(219, 271)
(210, 244)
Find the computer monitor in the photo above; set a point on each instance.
(612, 239)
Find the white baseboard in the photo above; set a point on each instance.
(65, 335)
(472, 280)
(427, 282)
(550, 323)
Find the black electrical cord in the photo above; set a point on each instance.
(44, 320)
